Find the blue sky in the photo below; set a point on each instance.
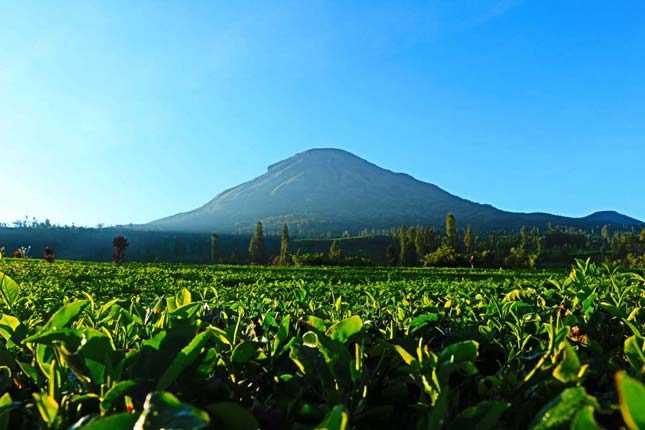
(123, 111)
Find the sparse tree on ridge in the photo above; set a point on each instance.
(256, 246)
(284, 246)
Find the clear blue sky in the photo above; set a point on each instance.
(126, 111)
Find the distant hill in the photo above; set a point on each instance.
(331, 190)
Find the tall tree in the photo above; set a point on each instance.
(642, 236)
(403, 246)
(430, 239)
(469, 240)
(335, 253)
(420, 243)
(284, 246)
(604, 232)
(411, 253)
(451, 230)
(524, 237)
(214, 248)
(256, 246)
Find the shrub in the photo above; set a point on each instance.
(444, 256)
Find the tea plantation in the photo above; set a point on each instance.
(149, 346)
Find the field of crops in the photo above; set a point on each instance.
(99, 346)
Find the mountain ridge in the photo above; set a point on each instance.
(331, 190)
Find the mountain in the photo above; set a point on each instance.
(331, 190)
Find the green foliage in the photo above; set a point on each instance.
(9, 290)
(257, 251)
(335, 253)
(520, 258)
(444, 256)
(451, 230)
(632, 398)
(469, 240)
(390, 256)
(103, 346)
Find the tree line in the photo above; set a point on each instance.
(447, 245)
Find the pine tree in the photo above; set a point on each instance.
(284, 246)
(214, 248)
(469, 240)
(335, 253)
(256, 246)
(451, 230)
(642, 236)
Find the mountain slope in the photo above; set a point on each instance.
(330, 190)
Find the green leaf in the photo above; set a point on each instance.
(563, 409)
(345, 328)
(123, 421)
(5, 409)
(47, 407)
(46, 336)
(184, 359)
(183, 297)
(117, 391)
(516, 295)
(9, 290)
(634, 353)
(229, 415)
(585, 420)
(631, 394)
(422, 320)
(569, 366)
(483, 416)
(12, 330)
(405, 355)
(66, 315)
(244, 352)
(310, 339)
(588, 303)
(459, 352)
(283, 330)
(336, 419)
(612, 309)
(163, 410)
(315, 322)
(281, 335)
